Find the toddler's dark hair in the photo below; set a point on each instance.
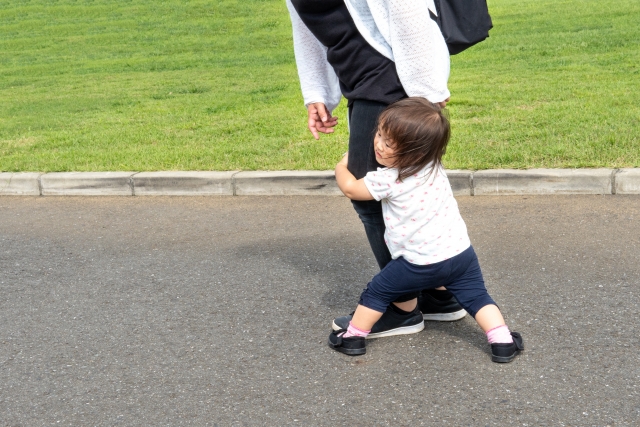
(419, 132)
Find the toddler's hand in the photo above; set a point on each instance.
(345, 159)
(444, 103)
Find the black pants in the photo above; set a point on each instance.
(363, 120)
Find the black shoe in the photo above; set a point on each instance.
(504, 353)
(352, 346)
(443, 311)
(391, 323)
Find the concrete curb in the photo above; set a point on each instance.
(192, 183)
(543, 181)
(86, 184)
(179, 183)
(461, 182)
(286, 183)
(20, 184)
(627, 181)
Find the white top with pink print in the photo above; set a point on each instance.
(421, 216)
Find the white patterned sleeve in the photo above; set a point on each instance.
(419, 49)
(318, 80)
(381, 183)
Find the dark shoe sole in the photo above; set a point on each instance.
(352, 346)
(506, 359)
(348, 351)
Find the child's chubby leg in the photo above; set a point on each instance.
(489, 317)
(394, 281)
(467, 285)
(351, 341)
(407, 306)
(504, 343)
(363, 320)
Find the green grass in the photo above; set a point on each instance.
(556, 85)
(133, 85)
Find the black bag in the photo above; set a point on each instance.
(463, 22)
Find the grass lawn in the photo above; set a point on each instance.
(212, 85)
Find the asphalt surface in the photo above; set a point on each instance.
(215, 312)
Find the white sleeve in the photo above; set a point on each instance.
(381, 183)
(419, 49)
(318, 80)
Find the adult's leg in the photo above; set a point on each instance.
(363, 118)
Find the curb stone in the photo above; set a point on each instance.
(286, 183)
(183, 183)
(460, 182)
(87, 184)
(20, 184)
(543, 181)
(627, 181)
(265, 183)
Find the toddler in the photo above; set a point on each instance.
(425, 233)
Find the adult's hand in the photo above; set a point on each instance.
(319, 119)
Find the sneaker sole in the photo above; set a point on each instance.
(445, 317)
(349, 351)
(404, 330)
(501, 359)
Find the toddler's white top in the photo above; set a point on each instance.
(423, 223)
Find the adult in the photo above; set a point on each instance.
(372, 52)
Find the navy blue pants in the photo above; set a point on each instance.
(461, 275)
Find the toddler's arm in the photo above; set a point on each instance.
(353, 188)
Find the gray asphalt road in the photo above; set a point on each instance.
(215, 311)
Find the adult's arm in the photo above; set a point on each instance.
(318, 81)
(415, 42)
(421, 54)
